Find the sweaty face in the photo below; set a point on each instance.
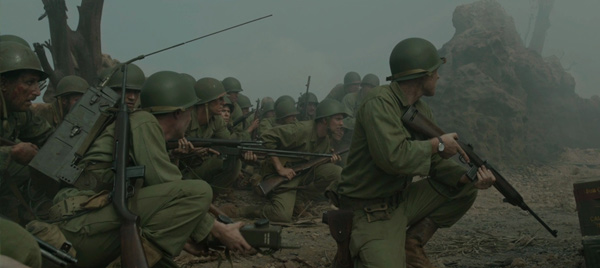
(335, 124)
(233, 96)
(226, 113)
(245, 111)
(312, 109)
(21, 92)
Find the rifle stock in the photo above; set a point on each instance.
(267, 185)
(419, 123)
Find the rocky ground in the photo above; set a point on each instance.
(492, 233)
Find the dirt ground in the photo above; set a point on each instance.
(491, 234)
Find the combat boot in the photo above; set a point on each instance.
(416, 238)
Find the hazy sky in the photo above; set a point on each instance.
(324, 39)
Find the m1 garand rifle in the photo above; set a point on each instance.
(244, 117)
(419, 123)
(132, 251)
(305, 112)
(269, 184)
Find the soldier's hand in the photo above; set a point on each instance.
(230, 236)
(451, 147)
(205, 151)
(183, 147)
(287, 172)
(485, 178)
(249, 156)
(23, 152)
(335, 158)
(253, 125)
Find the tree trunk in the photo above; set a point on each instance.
(73, 52)
(542, 24)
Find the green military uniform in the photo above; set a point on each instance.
(212, 168)
(302, 137)
(351, 102)
(19, 127)
(384, 158)
(20, 245)
(170, 210)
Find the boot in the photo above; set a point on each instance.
(416, 237)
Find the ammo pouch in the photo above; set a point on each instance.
(52, 235)
(72, 206)
(58, 159)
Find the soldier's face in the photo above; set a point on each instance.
(233, 96)
(216, 106)
(19, 93)
(245, 111)
(226, 114)
(430, 83)
(311, 109)
(335, 124)
(131, 97)
(270, 114)
(69, 101)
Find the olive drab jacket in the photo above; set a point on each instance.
(215, 129)
(385, 155)
(298, 136)
(20, 127)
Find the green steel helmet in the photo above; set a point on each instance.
(371, 80)
(243, 101)
(165, 92)
(284, 109)
(329, 107)
(71, 84)
(14, 38)
(189, 78)
(15, 56)
(284, 98)
(351, 78)
(209, 89)
(267, 107)
(312, 98)
(413, 58)
(231, 84)
(135, 78)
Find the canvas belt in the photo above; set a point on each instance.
(351, 203)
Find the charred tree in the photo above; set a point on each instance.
(76, 52)
(542, 24)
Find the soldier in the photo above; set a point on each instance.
(19, 245)
(14, 38)
(207, 123)
(244, 103)
(352, 100)
(281, 111)
(233, 87)
(307, 111)
(68, 91)
(171, 210)
(189, 78)
(135, 81)
(305, 136)
(236, 133)
(342, 140)
(385, 156)
(23, 132)
(351, 84)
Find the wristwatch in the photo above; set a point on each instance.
(441, 146)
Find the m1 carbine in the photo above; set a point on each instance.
(419, 123)
(269, 184)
